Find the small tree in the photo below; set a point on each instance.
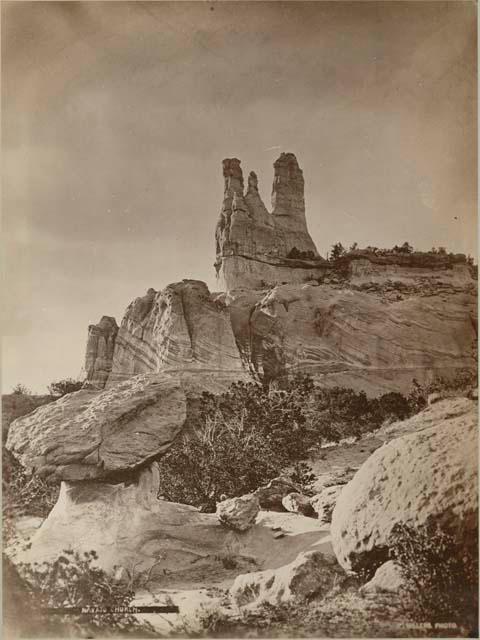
(354, 246)
(405, 248)
(21, 390)
(62, 387)
(337, 251)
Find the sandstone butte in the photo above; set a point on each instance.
(369, 321)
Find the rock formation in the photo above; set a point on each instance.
(182, 327)
(99, 351)
(255, 248)
(324, 502)
(370, 321)
(426, 477)
(342, 336)
(311, 574)
(90, 435)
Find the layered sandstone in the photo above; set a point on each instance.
(255, 247)
(375, 335)
(181, 327)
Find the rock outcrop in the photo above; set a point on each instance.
(311, 574)
(340, 335)
(126, 525)
(99, 352)
(256, 248)
(426, 477)
(324, 502)
(371, 320)
(182, 327)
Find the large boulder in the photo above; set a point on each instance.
(312, 573)
(240, 513)
(427, 477)
(93, 435)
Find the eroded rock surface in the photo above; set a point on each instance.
(298, 503)
(429, 476)
(90, 434)
(312, 573)
(239, 513)
(341, 336)
(183, 326)
(324, 502)
(99, 352)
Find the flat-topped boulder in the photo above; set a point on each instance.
(90, 434)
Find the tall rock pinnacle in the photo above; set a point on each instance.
(254, 247)
(288, 201)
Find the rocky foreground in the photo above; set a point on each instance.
(422, 470)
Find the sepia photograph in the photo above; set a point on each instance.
(239, 319)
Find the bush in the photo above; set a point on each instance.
(441, 575)
(248, 435)
(24, 493)
(21, 390)
(62, 387)
(73, 580)
(463, 382)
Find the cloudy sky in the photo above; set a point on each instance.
(117, 115)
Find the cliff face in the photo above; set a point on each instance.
(182, 327)
(375, 335)
(371, 322)
(255, 247)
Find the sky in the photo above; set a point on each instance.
(116, 117)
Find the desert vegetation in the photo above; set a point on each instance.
(98, 602)
(250, 434)
(338, 251)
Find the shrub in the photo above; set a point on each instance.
(62, 387)
(248, 435)
(337, 251)
(463, 382)
(73, 580)
(21, 390)
(300, 255)
(441, 575)
(24, 493)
